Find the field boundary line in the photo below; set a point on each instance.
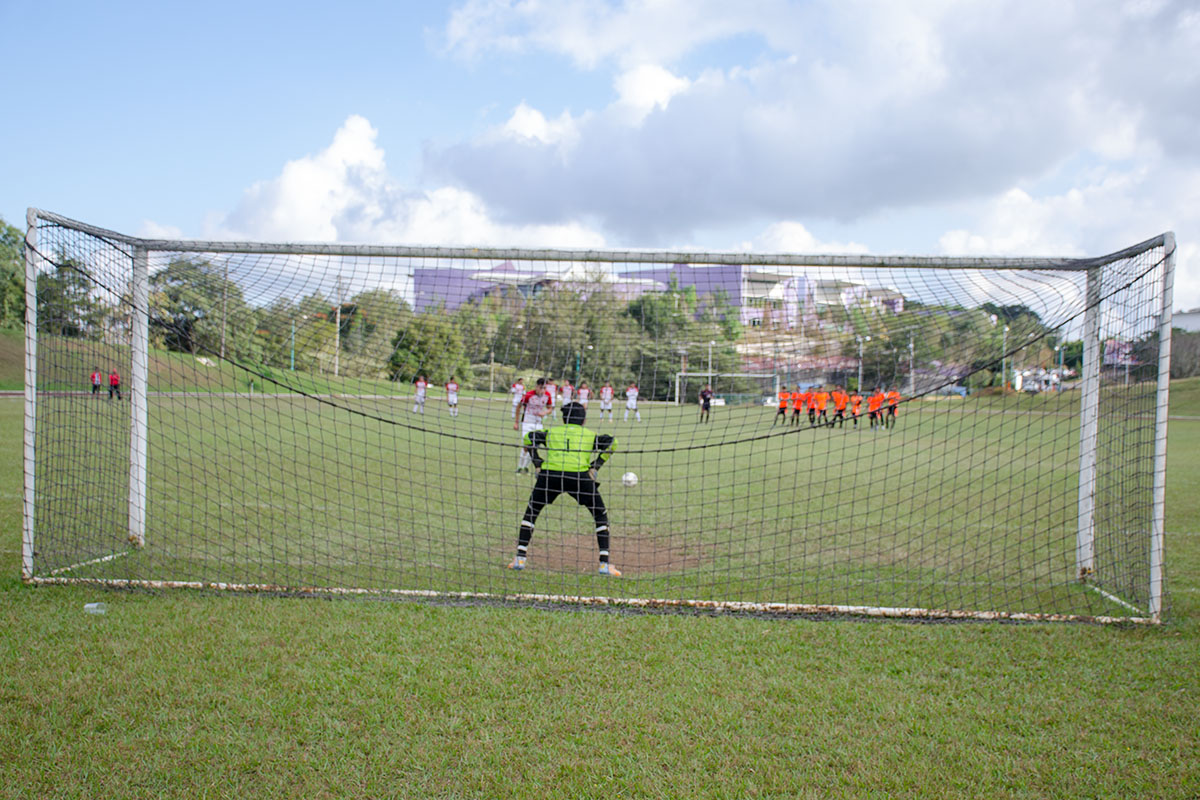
(90, 562)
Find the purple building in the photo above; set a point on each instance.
(762, 298)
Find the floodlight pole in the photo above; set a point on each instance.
(1004, 363)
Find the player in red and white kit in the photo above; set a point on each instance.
(533, 407)
(518, 392)
(585, 394)
(452, 396)
(606, 396)
(631, 395)
(566, 391)
(552, 390)
(421, 385)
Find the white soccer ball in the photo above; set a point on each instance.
(629, 479)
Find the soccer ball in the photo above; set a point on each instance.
(629, 479)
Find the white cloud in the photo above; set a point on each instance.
(793, 237)
(344, 193)
(647, 87)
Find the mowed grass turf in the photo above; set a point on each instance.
(195, 694)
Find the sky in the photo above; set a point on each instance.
(923, 127)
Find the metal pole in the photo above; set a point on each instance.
(1004, 363)
(1158, 518)
(31, 342)
(1089, 429)
(912, 377)
(293, 345)
(860, 360)
(138, 401)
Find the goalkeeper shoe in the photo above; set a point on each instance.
(518, 562)
(609, 569)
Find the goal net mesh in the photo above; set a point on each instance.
(268, 435)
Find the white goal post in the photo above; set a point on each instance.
(345, 470)
(716, 377)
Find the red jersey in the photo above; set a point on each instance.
(114, 380)
(535, 402)
(97, 379)
(451, 388)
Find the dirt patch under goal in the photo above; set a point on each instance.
(635, 554)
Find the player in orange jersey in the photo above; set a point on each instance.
(798, 401)
(893, 402)
(875, 408)
(810, 402)
(822, 400)
(784, 398)
(840, 399)
(856, 406)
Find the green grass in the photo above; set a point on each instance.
(191, 694)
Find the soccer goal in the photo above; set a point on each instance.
(730, 388)
(338, 419)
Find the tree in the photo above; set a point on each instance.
(429, 345)
(194, 308)
(66, 302)
(12, 276)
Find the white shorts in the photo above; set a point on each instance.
(606, 405)
(631, 406)
(452, 399)
(420, 399)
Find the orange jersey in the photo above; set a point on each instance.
(797, 400)
(839, 400)
(783, 399)
(875, 401)
(822, 399)
(810, 399)
(855, 403)
(893, 398)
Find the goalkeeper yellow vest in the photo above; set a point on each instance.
(569, 448)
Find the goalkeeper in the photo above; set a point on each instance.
(573, 454)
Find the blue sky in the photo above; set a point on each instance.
(933, 127)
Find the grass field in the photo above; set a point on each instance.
(192, 694)
(957, 508)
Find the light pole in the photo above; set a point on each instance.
(860, 360)
(710, 372)
(912, 376)
(1004, 362)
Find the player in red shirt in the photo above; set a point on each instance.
(534, 406)
(97, 379)
(452, 396)
(606, 398)
(422, 385)
(114, 385)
